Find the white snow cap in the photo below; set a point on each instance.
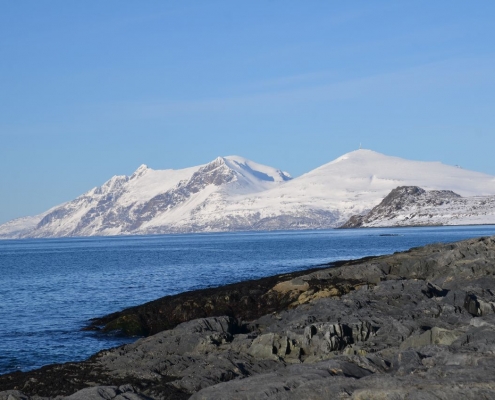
(143, 168)
(262, 172)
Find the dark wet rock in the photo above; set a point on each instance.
(413, 325)
(245, 301)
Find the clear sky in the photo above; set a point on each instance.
(91, 89)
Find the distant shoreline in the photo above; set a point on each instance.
(238, 232)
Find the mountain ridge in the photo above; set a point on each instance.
(233, 193)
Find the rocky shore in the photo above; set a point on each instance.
(413, 325)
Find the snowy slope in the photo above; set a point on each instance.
(103, 210)
(233, 193)
(413, 206)
(136, 203)
(354, 183)
(19, 226)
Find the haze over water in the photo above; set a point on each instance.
(52, 287)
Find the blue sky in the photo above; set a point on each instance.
(94, 89)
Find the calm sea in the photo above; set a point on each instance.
(50, 288)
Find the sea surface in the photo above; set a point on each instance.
(51, 288)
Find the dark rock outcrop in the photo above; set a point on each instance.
(401, 200)
(413, 325)
(245, 301)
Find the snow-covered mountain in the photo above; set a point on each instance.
(353, 184)
(413, 206)
(150, 200)
(233, 193)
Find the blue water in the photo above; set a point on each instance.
(50, 288)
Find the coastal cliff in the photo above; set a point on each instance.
(413, 325)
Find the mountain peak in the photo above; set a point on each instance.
(358, 154)
(247, 170)
(259, 171)
(142, 169)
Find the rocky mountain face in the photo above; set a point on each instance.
(414, 206)
(134, 204)
(236, 194)
(413, 325)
